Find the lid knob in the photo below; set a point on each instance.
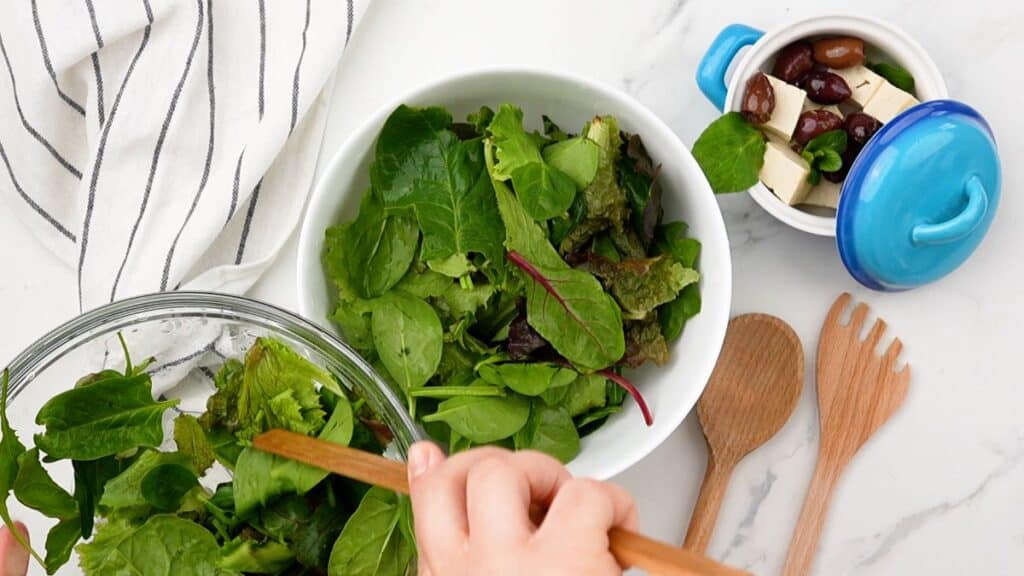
(959, 226)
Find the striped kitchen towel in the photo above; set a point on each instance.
(158, 144)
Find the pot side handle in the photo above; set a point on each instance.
(715, 63)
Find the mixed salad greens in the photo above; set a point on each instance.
(150, 512)
(502, 278)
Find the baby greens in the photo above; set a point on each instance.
(824, 153)
(154, 511)
(539, 266)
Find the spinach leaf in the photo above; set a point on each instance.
(641, 285)
(529, 379)
(164, 545)
(896, 75)
(549, 430)
(482, 419)
(34, 488)
(423, 166)
(673, 316)
(576, 157)
(107, 417)
(60, 541)
(371, 544)
(191, 441)
(730, 151)
(165, 486)
(544, 190)
(90, 478)
(605, 202)
(408, 337)
(824, 153)
(124, 492)
(645, 341)
(244, 555)
(373, 251)
(585, 394)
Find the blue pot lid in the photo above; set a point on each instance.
(919, 198)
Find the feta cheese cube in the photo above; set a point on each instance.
(888, 102)
(863, 83)
(825, 194)
(812, 105)
(789, 103)
(785, 172)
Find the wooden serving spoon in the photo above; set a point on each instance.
(752, 392)
(857, 392)
(629, 548)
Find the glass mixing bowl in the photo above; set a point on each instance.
(189, 334)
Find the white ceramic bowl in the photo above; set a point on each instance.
(671, 390)
(882, 39)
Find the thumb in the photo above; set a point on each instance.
(423, 457)
(13, 556)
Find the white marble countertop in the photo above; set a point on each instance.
(938, 491)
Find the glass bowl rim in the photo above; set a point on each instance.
(110, 318)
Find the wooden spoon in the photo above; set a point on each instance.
(857, 392)
(629, 548)
(752, 392)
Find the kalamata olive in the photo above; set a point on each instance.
(813, 123)
(758, 100)
(839, 52)
(860, 127)
(826, 87)
(852, 150)
(793, 62)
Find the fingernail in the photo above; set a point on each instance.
(419, 460)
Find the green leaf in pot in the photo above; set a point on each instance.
(896, 76)
(730, 151)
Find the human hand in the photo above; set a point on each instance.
(13, 556)
(482, 513)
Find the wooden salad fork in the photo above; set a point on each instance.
(858, 391)
(629, 548)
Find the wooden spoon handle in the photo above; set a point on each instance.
(812, 519)
(705, 511)
(629, 548)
